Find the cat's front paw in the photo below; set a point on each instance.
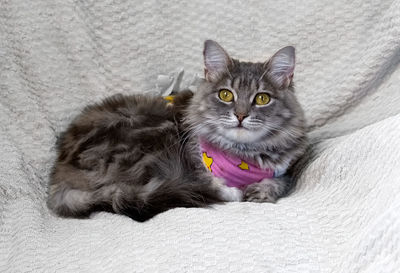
(228, 194)
(268, 190)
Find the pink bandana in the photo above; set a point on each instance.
(236, 172)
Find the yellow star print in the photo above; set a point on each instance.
(169, 98)
(243, 166)
(208, 161)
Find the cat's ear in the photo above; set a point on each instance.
(217, 62)
(280, 67)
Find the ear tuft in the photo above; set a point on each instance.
(280, 67)
(216, 60)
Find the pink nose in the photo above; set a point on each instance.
(240, 117)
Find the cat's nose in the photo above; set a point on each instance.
(241, 117)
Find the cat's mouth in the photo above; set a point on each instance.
(241, 126)
(238, 127)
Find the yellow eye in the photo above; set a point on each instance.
(262, 99)
(225, 95)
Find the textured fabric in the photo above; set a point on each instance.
(58, 55)
(236, 172)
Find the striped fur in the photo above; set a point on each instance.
(139, 155)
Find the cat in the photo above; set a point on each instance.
(141, 155)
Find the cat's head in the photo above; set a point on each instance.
(244, 102)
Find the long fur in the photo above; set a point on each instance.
(139, 156)
(126, 155)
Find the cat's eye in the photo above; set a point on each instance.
(262, 99)
(225, 95)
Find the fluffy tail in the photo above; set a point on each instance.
(158, 196)
(168, 185)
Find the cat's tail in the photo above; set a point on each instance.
(160, 195)
(170, 186)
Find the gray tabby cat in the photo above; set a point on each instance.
(139, 155)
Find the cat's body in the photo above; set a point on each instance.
(128, 155)
(139, 155)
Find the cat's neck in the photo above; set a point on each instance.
(258, 154)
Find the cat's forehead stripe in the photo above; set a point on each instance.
(242, 82)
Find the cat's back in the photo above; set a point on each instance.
(118, 122)
(125, 110)
(135, 111)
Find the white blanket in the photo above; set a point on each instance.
(58, 55)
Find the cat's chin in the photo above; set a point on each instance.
(242, 135)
